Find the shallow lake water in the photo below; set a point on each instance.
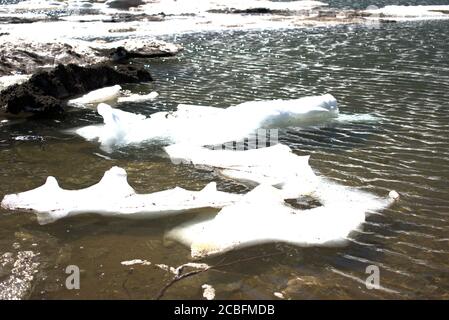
(392, 85)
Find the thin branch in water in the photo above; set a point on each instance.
(203, 268)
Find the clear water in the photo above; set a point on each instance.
(397, 73)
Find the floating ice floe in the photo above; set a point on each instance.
(411, 12)
(276, 165)
(178, 7)
(208, 291)
(278, 295)
(200, 125)
(262, 216)
(113, 196)
(28, 138)
(134, 262)
(138, 97)
(109, 94)
(96, 96)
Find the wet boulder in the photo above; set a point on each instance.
(124, 4)
(46, 92)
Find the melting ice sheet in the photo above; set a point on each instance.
(262, 216)
(259, 216)
(113, 196)
(200, 125)
(410, 12)
(108, 94)
(96, 96)
(276, 166)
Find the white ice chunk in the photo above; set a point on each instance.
(208, 291)
(115, 125)
(276, 165)
(199, 126)
(7, 81)
(138, 97)
(96, 96)
(394, 195)
(38, 5)
(178, 7)
(411, 12)
(262, 216)
(113, 196)
(135, 261)
(278, 295)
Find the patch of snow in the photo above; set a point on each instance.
(208, 292)
(199, 125)
(7, 81)
(96, 96)
(135, 261)
(262, 216)
(412, 12)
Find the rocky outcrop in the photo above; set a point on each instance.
(125, 50)
(67, 68)
(46, 92)
(249, 11)
(23, 57)
(128, 17)
(124, 4)
(20, 56)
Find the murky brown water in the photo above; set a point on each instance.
(397, 74)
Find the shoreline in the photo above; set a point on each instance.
(78, 38)
(45, 39)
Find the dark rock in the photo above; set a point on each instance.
(21, 20)
(254, 11)
(128, 17)
(124, 4)
(441, 11)
(46, 92)
(304, 203)
(387, 21)
(251, 11)
(26, 57)
(327, 14)
(18, 57)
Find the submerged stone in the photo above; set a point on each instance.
(18, 274)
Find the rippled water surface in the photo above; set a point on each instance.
(392, 84)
